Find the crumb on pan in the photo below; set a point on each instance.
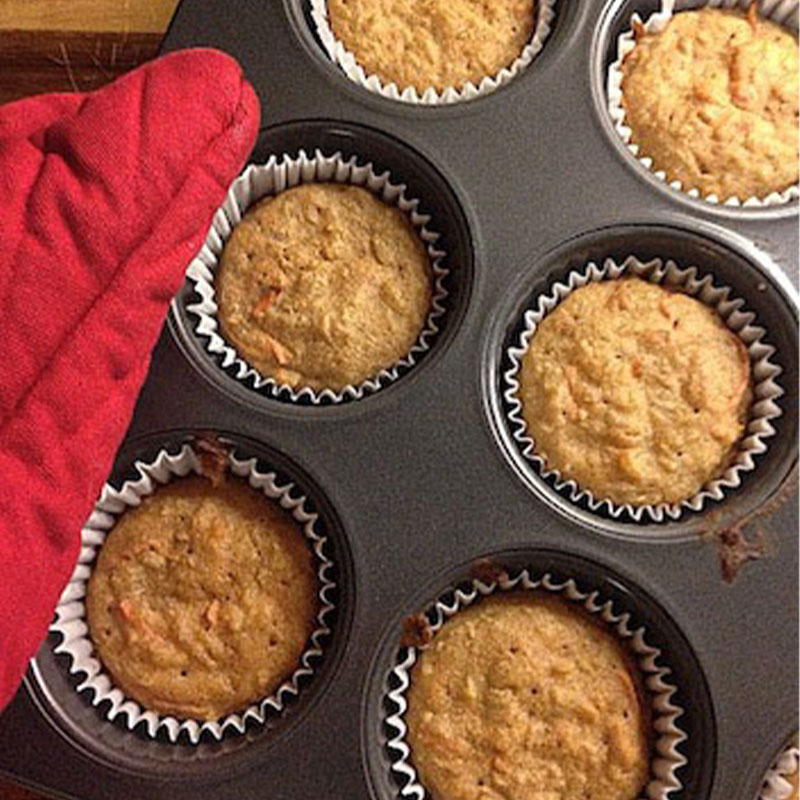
(417, 631)
(213, 458)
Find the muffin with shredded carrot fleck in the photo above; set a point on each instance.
(638, 393)
(712, 99)
(203, 598)
(324, 286)
(437, 43)
(523, 695)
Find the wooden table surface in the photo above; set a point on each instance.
(73, 45)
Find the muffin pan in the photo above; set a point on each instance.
(416, 482)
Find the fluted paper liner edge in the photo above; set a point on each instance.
(71, 625)
(263, 180)
(764, 373)
(667, 734)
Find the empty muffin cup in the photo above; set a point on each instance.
(543, 11)
(269, 180)
(72, 624)
(765, 390)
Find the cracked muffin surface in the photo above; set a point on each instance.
(323, 286)
(522, 695)
(432, 43)
(637, 393)
(203, 598)
(713, 101)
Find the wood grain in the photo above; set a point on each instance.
(142, 16)
(75, 45)
(32, 62)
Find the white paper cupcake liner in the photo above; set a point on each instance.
(259, 181)
(667, 734)
(776, 786)
(784, 12)
(347, 62)
(71, 623)
(730, 309)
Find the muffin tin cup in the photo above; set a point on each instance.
(784, 12)
(764, 373)
(346, 61)
(71, 624)
(278, 174)
(667, 733)
(776, 786)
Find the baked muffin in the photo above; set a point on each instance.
(793, 781)
(202, 599)
(713, 100)
(524, 696)
(432, 43)
(637, 393)
(323, 286)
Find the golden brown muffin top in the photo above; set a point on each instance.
(438, 43)
(323, 286)
(637, 393)
(713, 100)
(202, 599)
(524, 696)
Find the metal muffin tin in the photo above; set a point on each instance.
(420, 480)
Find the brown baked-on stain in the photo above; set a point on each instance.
(486, 571)
(417, 631)
(213, 458)
(734, 547)
(735, 551)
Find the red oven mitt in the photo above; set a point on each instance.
(104, 200)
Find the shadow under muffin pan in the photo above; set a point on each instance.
(417, 480)
(693, 726)
(421, 182)
(751, 279)
(73, 712)
(616, 20)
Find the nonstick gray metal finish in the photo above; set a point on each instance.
(418, 481)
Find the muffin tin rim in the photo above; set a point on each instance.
(248, 747)
(531, 556)
(563, 24)
(529, 274)
(464, 230)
